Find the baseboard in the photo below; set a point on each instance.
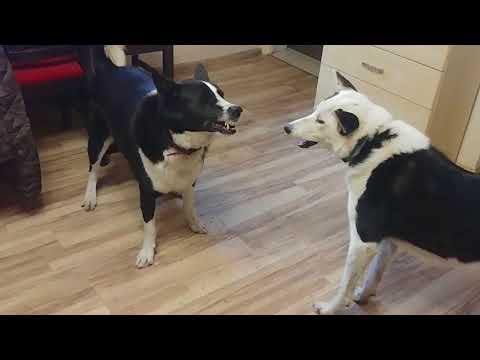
(299, 60)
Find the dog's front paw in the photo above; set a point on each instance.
(90, 201)
(197, 227)
(331, 308)
(145, 257)
(362, 295)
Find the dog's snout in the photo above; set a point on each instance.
(287, 129)
(235, 111)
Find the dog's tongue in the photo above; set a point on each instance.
(307, 143)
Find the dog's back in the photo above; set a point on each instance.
(426, 200)
(117, 95)
(120, 90)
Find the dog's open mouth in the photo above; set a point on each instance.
(304, 144)
(223, 127)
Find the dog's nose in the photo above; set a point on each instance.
(287, 129)
(235, 111)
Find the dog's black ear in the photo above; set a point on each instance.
(162, 83)
(201, 73)
(343, 83)
(347, 122)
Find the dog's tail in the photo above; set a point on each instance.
(116, 54)
(107, 56)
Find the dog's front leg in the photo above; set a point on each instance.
(359, 256)
(190, 212)
(147, 204)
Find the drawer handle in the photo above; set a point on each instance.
(372, 68)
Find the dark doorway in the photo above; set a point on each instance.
(314, 51)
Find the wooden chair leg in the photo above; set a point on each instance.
(167, 56)
(66, 115)
(135, 60)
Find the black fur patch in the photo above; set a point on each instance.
(201, 73)
(347, 122)
(425, 199)
(366, 145)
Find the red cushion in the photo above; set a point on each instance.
(36, 75)
(20, 63)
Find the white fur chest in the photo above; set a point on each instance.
(176, 172)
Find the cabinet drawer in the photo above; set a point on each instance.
(408, 79)
(469, 155)
(400, 108)
(434, 56)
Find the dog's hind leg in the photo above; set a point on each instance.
(147, 204)
(359, 256)
(368, 286)
(99, 141)
(96, 151)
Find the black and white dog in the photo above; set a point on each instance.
(162, 127)
(400, 188)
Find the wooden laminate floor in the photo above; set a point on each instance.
(276, 216)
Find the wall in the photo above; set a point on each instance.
(191, 53)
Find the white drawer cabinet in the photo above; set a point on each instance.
(432, 87)
(434, 56)
(386, 70)
(400, 108)
(469, 155)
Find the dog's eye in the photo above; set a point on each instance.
(320, 121)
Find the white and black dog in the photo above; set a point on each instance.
(162, 127)
(400, 188)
